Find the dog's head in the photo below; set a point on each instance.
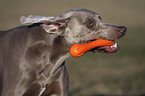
(80, 26)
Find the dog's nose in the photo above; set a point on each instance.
(122, 30)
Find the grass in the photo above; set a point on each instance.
(96, 74)
(106, 74)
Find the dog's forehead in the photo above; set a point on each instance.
(79, 11)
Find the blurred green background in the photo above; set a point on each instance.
(95, 74)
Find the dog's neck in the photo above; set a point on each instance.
(59, 48)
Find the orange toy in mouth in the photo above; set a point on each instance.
(78, 50)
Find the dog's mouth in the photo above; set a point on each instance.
(105, 49)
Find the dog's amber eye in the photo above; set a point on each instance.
(90, 24)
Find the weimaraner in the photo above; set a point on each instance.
(32, 57)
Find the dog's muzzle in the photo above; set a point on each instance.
(113, 48)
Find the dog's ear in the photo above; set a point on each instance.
(56, 26)
(53, 25)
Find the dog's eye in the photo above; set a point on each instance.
(90, 24)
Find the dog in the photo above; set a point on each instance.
(32, 57)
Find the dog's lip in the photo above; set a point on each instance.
(88, 41)
(105, 49)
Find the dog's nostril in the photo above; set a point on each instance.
(122, 30)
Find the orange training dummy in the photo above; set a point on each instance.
(78, 50)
